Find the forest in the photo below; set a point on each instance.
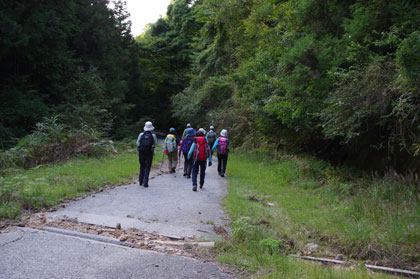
(338, 79)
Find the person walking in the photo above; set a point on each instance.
(211, 138)
(171, 147)
(199, 152)
(146, 143)
(185, 130)
(186, 144)
(222, 145)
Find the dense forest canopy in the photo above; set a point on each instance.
(338, 78)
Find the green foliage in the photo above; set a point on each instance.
(54, 141)
(327, 76)
(74, 58)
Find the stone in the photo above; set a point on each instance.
(123, 237)
(311, 248)
(118, 226)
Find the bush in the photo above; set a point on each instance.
(53, 141)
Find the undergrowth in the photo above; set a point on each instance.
(279, 203)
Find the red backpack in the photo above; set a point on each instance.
(201, 152)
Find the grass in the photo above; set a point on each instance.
(280, 205)
(47, 186)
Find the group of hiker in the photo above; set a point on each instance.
(196, 147)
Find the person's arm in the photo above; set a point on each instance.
(215, 144)
(138, 139)
(191, 150)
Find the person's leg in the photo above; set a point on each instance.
(224, 159)
(148, 165)
(142, 165)
(190, 167)
(194, 175)
(169, 163)
(185, 164)
(174, 159)
(219, 164)
(202, 172)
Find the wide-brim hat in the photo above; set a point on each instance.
(148, 126)
(223, 133)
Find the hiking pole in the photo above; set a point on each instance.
(161, 162)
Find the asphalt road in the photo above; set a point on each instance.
(27, 253)
(168, 206)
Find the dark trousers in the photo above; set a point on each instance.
(202, 166)
(221, 163)
(187, 164)
(145, 160)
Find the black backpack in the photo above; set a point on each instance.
(211, 137)
(147, 143)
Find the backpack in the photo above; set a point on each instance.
(186, 144)
(211, 137)
(170, 143)
(223, 146)
(147, 142)
(201, 152)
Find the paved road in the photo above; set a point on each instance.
(168, 207)
(27, 253)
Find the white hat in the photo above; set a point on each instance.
(202, 130)
(188, 125)
(223, 133)
(211, 127)
(148, 126)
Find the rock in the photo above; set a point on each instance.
(205, 244)
(270, 204)
(311, 248)
(123, 237)
(118, 226)
(339, 257)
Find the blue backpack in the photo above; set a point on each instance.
(186, 144)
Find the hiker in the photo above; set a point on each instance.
(211, 138)
(199, 152)
(146, 143)
(171, 147)
(222, 144)
(186, 144)
(185, 130)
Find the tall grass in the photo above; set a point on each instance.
(287, 202)
(46, 186)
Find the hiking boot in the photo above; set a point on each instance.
(185, 174)
(195, 188)
(201, 186)
(141, 183)
(222, 175)
(188, 176)
(173, 170)
(146, 185)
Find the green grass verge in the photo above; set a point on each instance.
(46, 186)
(278, 206)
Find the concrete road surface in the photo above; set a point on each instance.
(27, 253)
